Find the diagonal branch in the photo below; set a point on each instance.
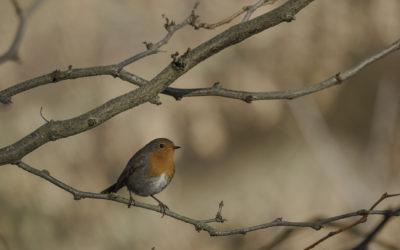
(55, 130)
(200, 225)
(23, 16)
(178, 93)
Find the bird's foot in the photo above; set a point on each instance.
(131, 203)
(131, 200)
(163, 207)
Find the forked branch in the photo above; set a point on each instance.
(55, 130)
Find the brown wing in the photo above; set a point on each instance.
(139, 160)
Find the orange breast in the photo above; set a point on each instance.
(161, 163)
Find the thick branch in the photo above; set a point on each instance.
(200, 225)
(60, 129)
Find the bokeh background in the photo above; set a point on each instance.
(326, 154)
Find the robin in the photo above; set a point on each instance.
(148, 172)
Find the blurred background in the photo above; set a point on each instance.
(325, 154)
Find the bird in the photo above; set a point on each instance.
(148, 171)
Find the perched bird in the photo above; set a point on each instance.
(148, 172)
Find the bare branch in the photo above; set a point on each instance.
(41, 115)
(248, 9)
(285, 94)
(200, 225)
(60, 129)
(218, 216)
(23, 15)
(364, 244)
(361, 220)
(215, 90)
(70, 73)
(171, 27)
(252, 8)
(197, 25)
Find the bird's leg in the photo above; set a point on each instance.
(163, 207)
(131, 200)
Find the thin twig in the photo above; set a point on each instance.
(285, 94)
(215, 90)
(357, 232)
(252, 8)
(368, 239)
(200, 225)
(249, 10)
(171, 27)
(361, 220)
(197, 25)
(41, 115)
(218, 216)
(23, 15)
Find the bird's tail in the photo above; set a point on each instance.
(113, 188)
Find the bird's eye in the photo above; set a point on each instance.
(162, 145)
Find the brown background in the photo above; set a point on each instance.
(326, 154)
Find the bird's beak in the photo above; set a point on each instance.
(176, 147)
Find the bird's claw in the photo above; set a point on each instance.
(163, 207)
(131, 200)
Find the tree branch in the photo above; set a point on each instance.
(54, 130)
(246, 96)
(369, 238)
(361, 220)
(200, 225)
(23, 15)
(171, 27)
(178, 93)
(250, 9)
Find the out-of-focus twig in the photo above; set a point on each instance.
(279, 239)
(361, 220)
(369, 238)
(285, 234)
(383, 130)
(23, 16)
